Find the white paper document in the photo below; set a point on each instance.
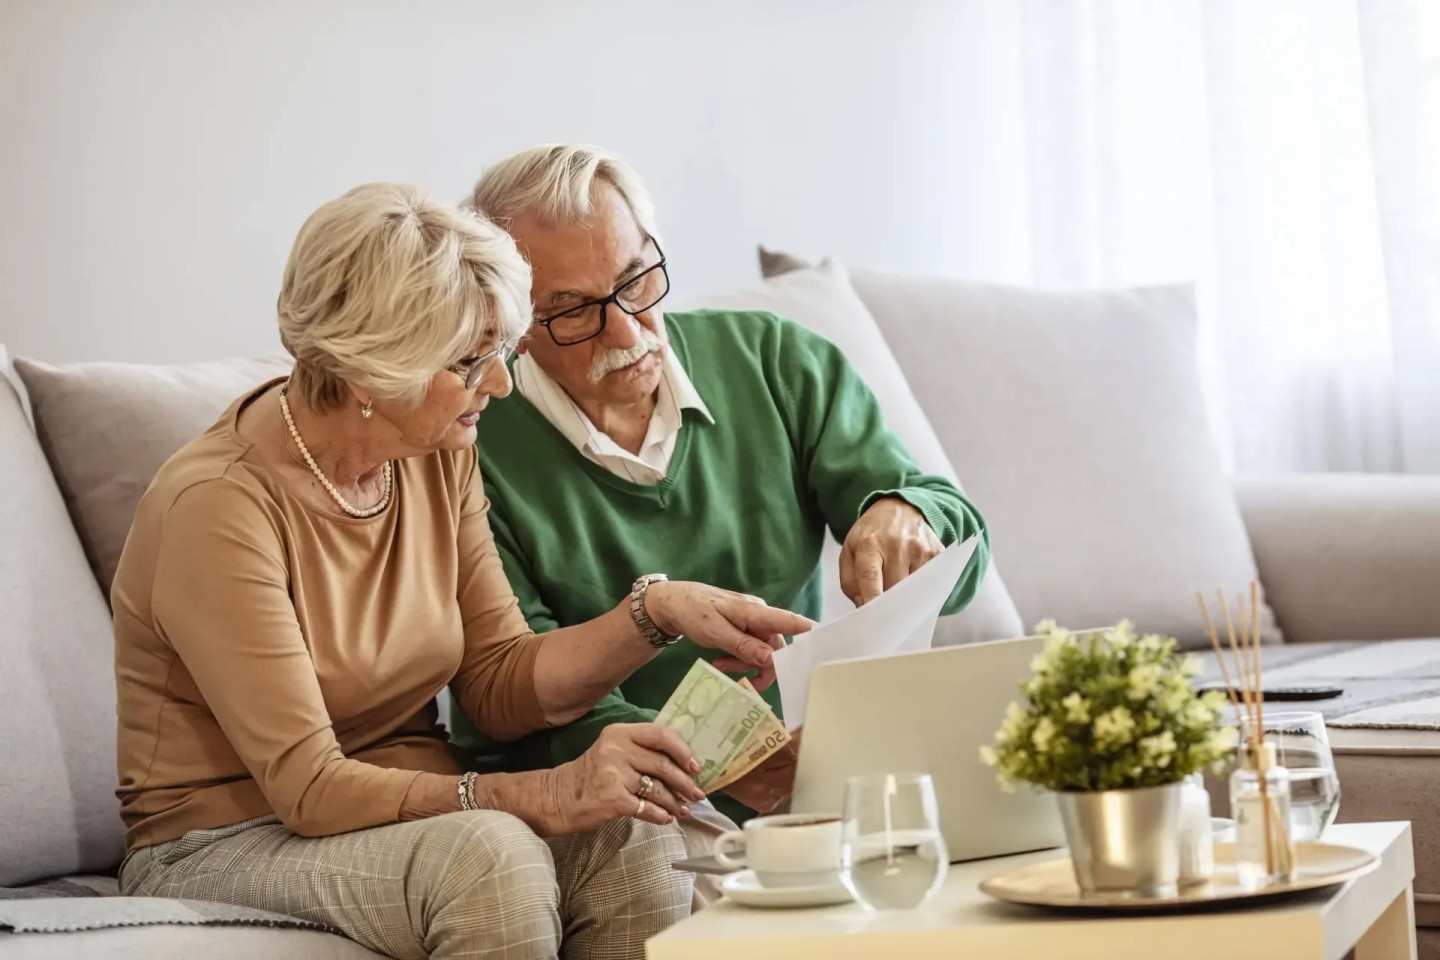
(900, 620)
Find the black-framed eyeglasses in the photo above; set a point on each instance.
(472, 369)
(636, 295)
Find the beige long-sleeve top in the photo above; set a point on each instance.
(273, 659)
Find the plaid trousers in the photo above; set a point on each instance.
(473, 884)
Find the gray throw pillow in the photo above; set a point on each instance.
(108, 427)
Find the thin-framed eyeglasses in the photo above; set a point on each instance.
(636, 295)
(472, 369)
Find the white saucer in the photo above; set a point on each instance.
(744, 889)
(1222, 829)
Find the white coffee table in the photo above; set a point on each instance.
(1374, 916)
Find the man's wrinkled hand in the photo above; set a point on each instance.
(769, 785)
(890, 541)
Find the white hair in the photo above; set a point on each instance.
(385, 287)
(555, 182)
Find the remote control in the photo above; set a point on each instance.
(1283, 694)
(1294, 694)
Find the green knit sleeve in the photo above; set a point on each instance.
(550, 748)
(851, 459)
(547, 748)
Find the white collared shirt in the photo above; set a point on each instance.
(676, 393)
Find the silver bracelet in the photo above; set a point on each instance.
(466, 789)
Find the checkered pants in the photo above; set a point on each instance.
(474, 884)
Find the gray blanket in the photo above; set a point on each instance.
(1388, 685)
(64, 907)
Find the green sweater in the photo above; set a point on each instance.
(798, 445)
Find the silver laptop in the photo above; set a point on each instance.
(926, 712)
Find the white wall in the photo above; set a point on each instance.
(157, 156)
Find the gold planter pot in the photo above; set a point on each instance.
(1124, 841)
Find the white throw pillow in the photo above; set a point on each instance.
(1080, 425)
(822, 300)
(108, 427)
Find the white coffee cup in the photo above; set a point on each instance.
(789, 850)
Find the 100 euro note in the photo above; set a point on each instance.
(715, 716)
(770, 736)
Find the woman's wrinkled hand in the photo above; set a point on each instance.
(605, 782)
(745, 628)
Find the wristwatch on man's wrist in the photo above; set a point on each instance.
(653, 635)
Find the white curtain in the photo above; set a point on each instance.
(1281, 153)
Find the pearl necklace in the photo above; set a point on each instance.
(388, 472)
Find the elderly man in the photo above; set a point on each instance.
(713, 445)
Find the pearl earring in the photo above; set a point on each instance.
(366, 411)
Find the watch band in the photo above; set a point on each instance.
(653, 635)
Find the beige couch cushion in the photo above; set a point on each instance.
(1346, 556)
(823, 300)
(58, 812)
(1079, 426)
(108, 427)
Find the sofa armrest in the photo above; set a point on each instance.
(1347, 556)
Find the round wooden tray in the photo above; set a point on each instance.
(1052, 883)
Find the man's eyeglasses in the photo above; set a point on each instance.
(636, 295)
(472, 369)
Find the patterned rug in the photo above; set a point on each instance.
(1388, 685)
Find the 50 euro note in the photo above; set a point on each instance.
(716, 717)
(768, 737)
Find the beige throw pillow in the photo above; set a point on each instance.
(108, 427)
(823, 301)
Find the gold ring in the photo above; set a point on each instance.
(640, 809)
(646, 785)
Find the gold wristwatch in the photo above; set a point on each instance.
(653, 635)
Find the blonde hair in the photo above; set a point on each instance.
(554, 181)
(385, 287)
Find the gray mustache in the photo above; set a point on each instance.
(612, 360)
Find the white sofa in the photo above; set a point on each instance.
(1341, 558)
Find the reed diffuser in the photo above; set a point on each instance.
(1259, 786)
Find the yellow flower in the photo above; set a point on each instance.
(988, 756)
(1121, 635)
(1042, 735)
(1198, 714)
(1159, 749)
(1214, 699)
(1077, 708)
(1014, 720)
(1175, 695)
(1143, 680)
(1114, 728)
(1153, 643)
(1225, 739)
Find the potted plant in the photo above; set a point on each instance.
(1111, 723)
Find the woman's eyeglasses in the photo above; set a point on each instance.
(472, 369)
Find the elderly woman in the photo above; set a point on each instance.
(303, 580)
